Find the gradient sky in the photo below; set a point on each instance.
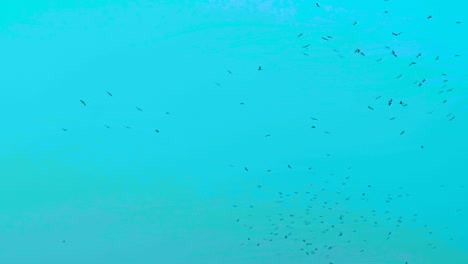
(131, 195)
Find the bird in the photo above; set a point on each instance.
(370, 108)
(299, 35)
(83, 102)
(429, 17)
(157, 131)
(259, 68)
(317, 4)
(354, 23)
(109, 94)
(139, 109)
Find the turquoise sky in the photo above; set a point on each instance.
(96, 183)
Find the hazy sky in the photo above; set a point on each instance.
(127, 194)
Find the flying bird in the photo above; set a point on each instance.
(83, 102)
(259, 68)
(317, 4)
(109, 94)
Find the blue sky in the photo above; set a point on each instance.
(131, 195)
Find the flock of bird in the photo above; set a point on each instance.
(317, 219)
(320, 234)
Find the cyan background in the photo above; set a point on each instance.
(118, 195)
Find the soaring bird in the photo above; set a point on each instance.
(83, 102)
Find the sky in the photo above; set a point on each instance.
(183, 151)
